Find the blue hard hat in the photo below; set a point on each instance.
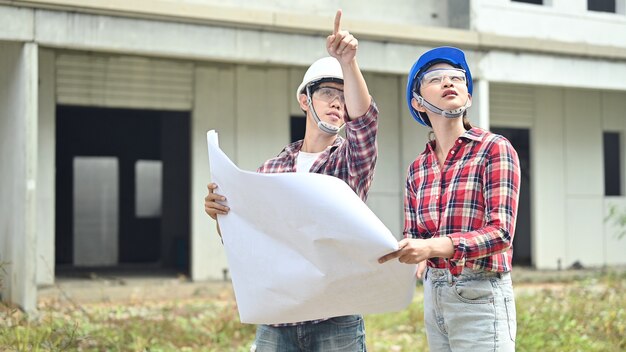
(445, 54)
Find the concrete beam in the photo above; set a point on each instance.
(311, 24)
(549, 70)
(17, 23)
(212, 43)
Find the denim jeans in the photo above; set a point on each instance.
(339, 334)
(472, 312)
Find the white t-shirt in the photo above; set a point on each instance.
(305, 161)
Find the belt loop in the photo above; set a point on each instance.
(449, 274)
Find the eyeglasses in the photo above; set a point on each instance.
(437, 76)
(328, 94)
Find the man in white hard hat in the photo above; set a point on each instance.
(334, 96)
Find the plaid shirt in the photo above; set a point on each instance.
(473, 200)
(351, 159)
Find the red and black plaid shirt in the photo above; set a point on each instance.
(351, 159)
(473, 200)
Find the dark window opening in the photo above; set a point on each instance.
(612, 164)
(297, 125)
(536, 2)
(601, 5)
(143, 159)
(522, 242)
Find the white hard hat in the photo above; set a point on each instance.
(324, 68)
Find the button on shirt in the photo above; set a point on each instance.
(472, 199)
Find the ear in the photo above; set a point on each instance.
(303, 102)
(417, 106)
(469, 99)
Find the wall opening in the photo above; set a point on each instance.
(297, 125)
(520, 139)
(612, 164)
(602, 5)
(122, 189)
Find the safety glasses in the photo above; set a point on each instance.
(436, 76)
(328, 94)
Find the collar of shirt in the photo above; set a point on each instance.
(294, 148)
(474, 134)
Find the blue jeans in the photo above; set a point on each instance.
(472, 312)
(339, 334)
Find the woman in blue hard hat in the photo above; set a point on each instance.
(460, 208)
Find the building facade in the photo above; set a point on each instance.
(104, 106)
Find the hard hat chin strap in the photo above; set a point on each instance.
(324, 126)
(451, 114)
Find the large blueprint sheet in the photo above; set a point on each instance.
(303, 246)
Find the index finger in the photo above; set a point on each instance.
(394, 254)
(337, 22)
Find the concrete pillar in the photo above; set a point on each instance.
(18, 162)
(214, 108)
(479, 112)
(46, 169)
(548, 193)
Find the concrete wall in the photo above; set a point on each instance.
(568, 201)
(385, 196)
(547, 150)
(18, 162)
(584, 177)
(214, 108)
(613, 120)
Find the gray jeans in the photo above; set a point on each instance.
(472, 312)
(339, 334)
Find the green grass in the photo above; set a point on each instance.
(586, 315)
(589, 315)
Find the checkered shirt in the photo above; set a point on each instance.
(473, 201)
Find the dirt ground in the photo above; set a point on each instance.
(132, 287)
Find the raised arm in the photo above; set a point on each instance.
(343, 46)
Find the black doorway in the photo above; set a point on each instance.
(520, 139)
(146, 147)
